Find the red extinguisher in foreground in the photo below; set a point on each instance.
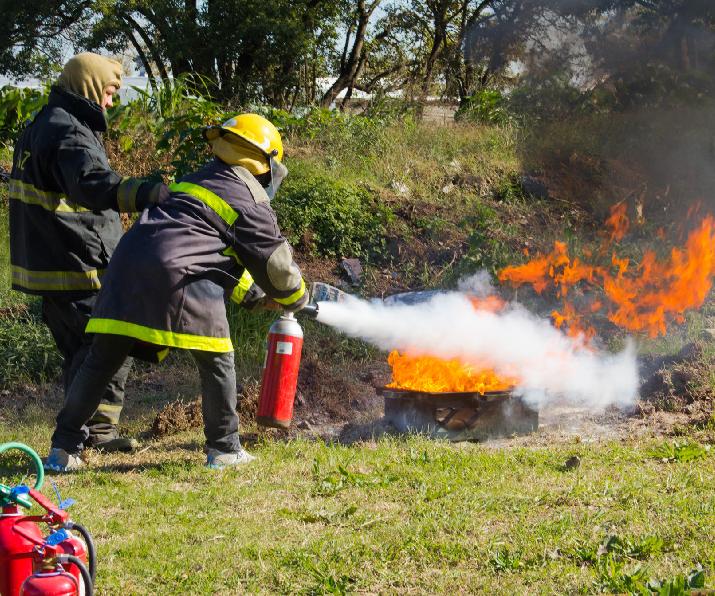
(280, 374)
(54, 564)
(30, 562)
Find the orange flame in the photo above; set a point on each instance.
(643, 298)
(618, 223)
(435, 375)
(663, 290)
(640, 298)
(432, 374)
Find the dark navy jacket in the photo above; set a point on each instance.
(65, 200)
(168, 279)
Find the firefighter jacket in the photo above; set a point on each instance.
(65, 200)
(170, 275)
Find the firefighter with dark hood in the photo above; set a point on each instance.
(64, 220)
(215, 237)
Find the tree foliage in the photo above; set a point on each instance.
(251, 50)
(32, 33)
(279, 53)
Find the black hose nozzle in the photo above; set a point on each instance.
(310, 310)
(91, 548)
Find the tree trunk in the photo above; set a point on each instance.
(350, 68)
(155, 56)
(144, 60)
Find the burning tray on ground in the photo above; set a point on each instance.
(459, 416)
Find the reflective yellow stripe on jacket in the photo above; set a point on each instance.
(244, 284)
(160, 337)
(210, 199)
(127, 194)
(56, 280)
(294, 297)
(47, 199)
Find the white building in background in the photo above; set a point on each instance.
(23, 83)
(128, 92)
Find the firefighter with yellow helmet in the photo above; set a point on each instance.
(216, 236)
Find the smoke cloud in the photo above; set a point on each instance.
(514, 342)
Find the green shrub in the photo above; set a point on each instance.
(27, 350)
(16, 107)
(487, 106)
(330, 217)
(487, 249)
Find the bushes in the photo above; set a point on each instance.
(27, 351)
(331, 218)
(16, 107)
(484, 107)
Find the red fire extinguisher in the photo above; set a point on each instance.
(21, 537)
(280, 375)
(51, 577)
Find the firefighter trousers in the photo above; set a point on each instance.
(106, 356)
(67, 320)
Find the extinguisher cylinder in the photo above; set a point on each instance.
(54, 582)
(280, 375)
(18, 538)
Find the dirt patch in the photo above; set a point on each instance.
(15, 402)
(679, 384)
(330, 392)
(177, 416)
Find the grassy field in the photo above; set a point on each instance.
(392, 515)
(395, 515)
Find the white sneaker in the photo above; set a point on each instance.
(60, 461)
(217, 460)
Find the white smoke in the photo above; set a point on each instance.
(514, 342)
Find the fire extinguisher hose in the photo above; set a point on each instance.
(39, 469)
(91, 548)
(88, 585)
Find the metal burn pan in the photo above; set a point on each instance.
(459, 416)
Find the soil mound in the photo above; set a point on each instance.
(177, 416)
(681, 383)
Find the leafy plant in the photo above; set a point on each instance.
(505, 560)
(331, 217)
(487, 106)
(679, 585)
(173, 117)
(16, 107)
(680, 451)
(341, 478)
(614, 577)
(631, 549)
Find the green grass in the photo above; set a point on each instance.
(392, 516)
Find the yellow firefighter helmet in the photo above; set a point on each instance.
(256, 131)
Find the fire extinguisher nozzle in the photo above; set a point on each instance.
(310, 310)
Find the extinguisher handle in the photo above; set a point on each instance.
(57, 515)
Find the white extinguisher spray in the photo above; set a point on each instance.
(280, 375)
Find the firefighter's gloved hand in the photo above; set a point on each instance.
(305, 299)
(267, 303)
(254, 298)
(151, 193)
